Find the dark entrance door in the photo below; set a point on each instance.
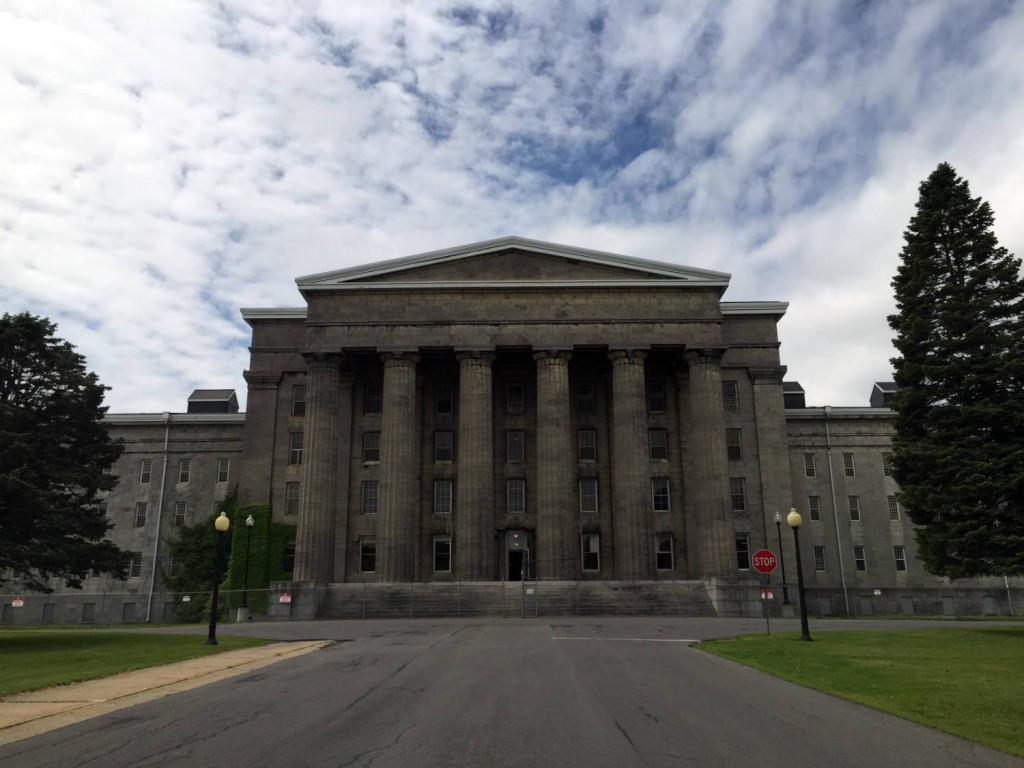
(515, 565)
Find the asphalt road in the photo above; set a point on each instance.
(589, 693)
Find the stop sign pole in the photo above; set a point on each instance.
(764, 563)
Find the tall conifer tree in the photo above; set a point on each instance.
(959, 444)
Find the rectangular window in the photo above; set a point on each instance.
(733, 444)
(658, 439)
(180, 512)
(854, 507)
(373, 399)
(295, 448)
(442, 554)
(145, 471)
(299, 400)
(515, 398)
(135, 565)
(894, 508)
(730, 396)
(887, 464)
(444, 446)
(814, 507)
(590, 546)
(659, 494)
(587, 444)
(291, 498)
(743, 551)
(655, 397)
(515, 496)
(173, 566)
(184, 470)
(369, 497)
(371, 446)
(738, 493)
(848, 465)
(819, 558)
(289, 557)
(140, 514)
(666, 560)
(102, 507)
(586, 400)
(367, 554)
(444, 400)
(107, 471)
(900, 553)
(515, 446)
(223, 470)
(588, 495)
(860, 562)
(809, 470)
(442, 497)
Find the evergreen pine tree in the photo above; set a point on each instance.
(959, 444)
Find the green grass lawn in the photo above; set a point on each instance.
(968, 682)
(40, 658)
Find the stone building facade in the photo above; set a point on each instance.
(174, 469)
(516, 410)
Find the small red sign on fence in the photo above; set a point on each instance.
(284, 597)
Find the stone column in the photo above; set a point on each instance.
(343, 439)
(314, 537)
(773, 457)
(709, 469)
(557, 555)
(255, 480)
(396, 533)
(632, 513)
(474, 512)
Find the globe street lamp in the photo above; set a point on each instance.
(249, 522)
(794, 521)
(782, 559)
(222, 523)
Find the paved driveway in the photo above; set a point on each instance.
(563, 692)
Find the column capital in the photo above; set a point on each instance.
(553, 357)
(475, 357)
(704, 356)
(626, 356)
(772, 375)
(400, 358)
(324, 359)
(260, 380)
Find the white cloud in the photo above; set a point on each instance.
(168, 163)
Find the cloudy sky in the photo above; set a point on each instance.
(167, 163)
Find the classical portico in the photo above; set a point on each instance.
(517, 409)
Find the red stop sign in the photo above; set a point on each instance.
(764, 561)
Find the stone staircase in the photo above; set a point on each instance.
(515, 599)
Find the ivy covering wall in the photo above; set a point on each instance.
(267, 552)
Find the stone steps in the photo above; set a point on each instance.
(513, 599)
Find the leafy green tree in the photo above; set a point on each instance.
(959, 444)
(53, 450)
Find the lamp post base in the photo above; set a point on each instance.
(243, 615)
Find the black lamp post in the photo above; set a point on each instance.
(249, 522)
(782, 559)
(222, 523)
(794, 521)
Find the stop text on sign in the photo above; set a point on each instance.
(764, 561)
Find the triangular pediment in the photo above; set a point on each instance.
(507, 262)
